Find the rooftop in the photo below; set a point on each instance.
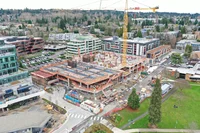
(187, 41)
(19, 121)
(158, 48)
(84, 72)
(135, 40)
(84, 38)
(42, 74)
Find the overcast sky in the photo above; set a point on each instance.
(181, 6)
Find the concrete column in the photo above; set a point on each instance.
(80, 84)
(68, 82)
(87, 86)
(3, 110)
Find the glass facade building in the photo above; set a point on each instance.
(8, 64)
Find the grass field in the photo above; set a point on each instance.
(127, 115)
(186, 116)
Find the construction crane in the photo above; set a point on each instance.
(150, 8)
(125, 34)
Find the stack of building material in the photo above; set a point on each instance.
(88, 58)
(72, 64)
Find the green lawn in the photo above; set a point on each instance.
(187, 114)
(127, 115)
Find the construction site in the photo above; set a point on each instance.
(90, 72)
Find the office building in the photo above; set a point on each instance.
(84, 44)
(8, 64)
(136, 46)
(26, 45)
(15, 85)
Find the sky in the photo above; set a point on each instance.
(180, 6)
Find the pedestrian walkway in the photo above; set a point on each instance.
(78, 116)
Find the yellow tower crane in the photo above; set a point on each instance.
(150, 8)
(125, 34)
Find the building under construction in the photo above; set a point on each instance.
(91, 72)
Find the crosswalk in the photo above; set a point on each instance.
(78, 116)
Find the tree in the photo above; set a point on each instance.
(157, 28)
(134, 100)
(120, 32)
(47, 29)
(176, 58)
(89, 22)
(195, 22)
(62, 24)
(136, 22)
(183, 30)
(76, 31)
(181, 84)
(188, 50)
(166, 25)
(20, 27)
(139, 33)
(155, 104)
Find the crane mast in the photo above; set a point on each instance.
(125, 35)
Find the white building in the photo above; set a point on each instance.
(90, 106)
(84, 43)
(62, 37)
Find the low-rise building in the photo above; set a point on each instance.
(62, 37)
(84, 44)
(189, 36)
(190, 74)
(156, 53)
(181, 45)
(25, 122)
(55, 47)
(136, 46)
(25, 45)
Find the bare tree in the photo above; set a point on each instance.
(181, 84)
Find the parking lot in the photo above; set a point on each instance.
(35, 63)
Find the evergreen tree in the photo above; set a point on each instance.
(155, 104)
(62, 24)
(47, 29)
(157, 28)
(133, 100)
(139, 34)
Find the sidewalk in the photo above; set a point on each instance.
(162, 130)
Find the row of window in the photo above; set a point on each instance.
(7, 59)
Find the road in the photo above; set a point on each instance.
(75, 114)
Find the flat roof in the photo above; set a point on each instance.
(23, 120)
(152, 51)
(42, 74)
(135, 40)
(84, 72)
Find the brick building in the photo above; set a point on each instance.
(26, 45)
